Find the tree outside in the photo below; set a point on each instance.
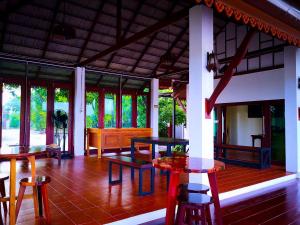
(92, 109)
(141, 111)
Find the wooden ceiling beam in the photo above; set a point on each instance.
(96, 18)
(119, 21)
(137, 36)
(140, 4)
(151, 40)
(174, 43)
(10, 9)
(53, 19)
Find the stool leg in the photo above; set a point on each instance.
(209, 222)
(35, 200)
(203, 215)
(39, 192)
(19, 199)
(46, 203)
(3, 194)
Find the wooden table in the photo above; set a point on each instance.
(182, 164)
(12, 154)
(169, 142)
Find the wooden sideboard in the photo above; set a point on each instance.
(114, 138)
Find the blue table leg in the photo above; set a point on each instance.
(132, 148)
(169, 153)
(153, 151)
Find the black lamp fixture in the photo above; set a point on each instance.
(168, 58)
(63, 31)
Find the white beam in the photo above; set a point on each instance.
(292, 102)
(79, 105)
(200, 129)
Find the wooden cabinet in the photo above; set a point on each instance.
(113, 138)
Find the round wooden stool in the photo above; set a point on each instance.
(193, 208)
(194, 188)
(40, 195)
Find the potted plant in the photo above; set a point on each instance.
(179, 150)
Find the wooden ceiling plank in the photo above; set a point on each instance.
(144, 33)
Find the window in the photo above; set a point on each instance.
(38, 115)
(110, 102)
(126, 111)
(92, 109)
(11, 101)
(141, 111)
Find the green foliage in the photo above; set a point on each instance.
(92, 99)
(110, 117)
(61, 95)
(14, 120)
(126, 111)
(165, 115)
(37, 113)
(141, 111)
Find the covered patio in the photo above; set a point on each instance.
(88, 78)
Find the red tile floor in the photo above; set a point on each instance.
(79, 192)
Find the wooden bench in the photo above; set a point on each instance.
(260, 157)
(114, 138)
(133, 164)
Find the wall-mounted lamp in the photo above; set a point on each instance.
(211, 62)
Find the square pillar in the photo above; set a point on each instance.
(292, 103)
(79, 109)
(200, 128)
(154, 107)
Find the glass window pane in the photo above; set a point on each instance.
(110, 110)
(38, 114)
(126, 111)
(142, 111)
(92, 109)
(61, 115)
(11, 100)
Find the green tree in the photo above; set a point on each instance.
(165, 115)
(38, 108)
(92, 99)
(141, 111)
(126, 111)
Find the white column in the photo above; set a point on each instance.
(154, 106)
(200, 129)
(79, 104)
(292, 102)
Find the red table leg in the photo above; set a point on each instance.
(172, 195)
(215, 194)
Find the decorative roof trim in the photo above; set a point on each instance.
(235, 10)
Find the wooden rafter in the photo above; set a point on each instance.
(10, 9)
(140, 4)
(119, 21)
(174, 43)
(240, 54)
(90, 31)
(144, 33)
(151, 40)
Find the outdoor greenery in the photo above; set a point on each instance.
(11, 110)
(38, 108)
(165, 115)
(110, 116)
(92, 100)
(141, 111)
(126, 111)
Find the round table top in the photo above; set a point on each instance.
(21, 151)
(183, 164)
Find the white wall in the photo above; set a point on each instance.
(267, 85)
(240, 127)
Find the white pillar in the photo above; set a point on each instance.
(200, 129)
(292, 102)
(79, 104)
(154, 106)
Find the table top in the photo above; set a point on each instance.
(184, 164)
(161, 140)
(22, 151)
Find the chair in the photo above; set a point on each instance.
(3, 195)
(39, 186)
